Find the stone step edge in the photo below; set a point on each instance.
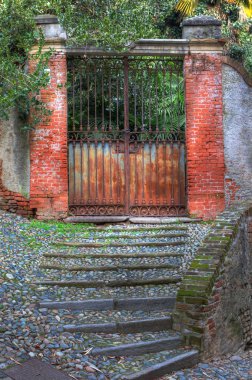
(139, 348)
(133, 236)
(109, 284)
(107, 268)
(184, 360)
(134, 326)
(112, 255)
(134, 220)
(134, 228)
(108, 245)
(145, 304)
(163, 220)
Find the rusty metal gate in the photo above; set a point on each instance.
(126, 136)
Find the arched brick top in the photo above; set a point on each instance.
(239, 68)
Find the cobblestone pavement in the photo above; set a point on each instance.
(27, 332)
(231, 367)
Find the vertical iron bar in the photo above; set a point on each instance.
(95, 97)
(73, 98)
(117, 102)
(179, 190)
(164, 99)
(150, 145)
(110, 125)
(135, 154)
(142, 95)
(118, 171)
(81, 179)
(96, 173)
(172, 175)
(165, 171)
(74, 198)
(88, 174)
(149, 77)
(143, 173)
(126, 133)
(135, 100)
(102, 94)
(81, 96)
(110, 172)
(156, 97)
(171, 93)
(157, 173)
(88, 98)
(103, 173)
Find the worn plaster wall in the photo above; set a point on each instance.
(14, 156)
(237, 124)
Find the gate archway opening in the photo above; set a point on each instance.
(126, 129)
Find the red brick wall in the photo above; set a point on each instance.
(204, 135)
(48, 148)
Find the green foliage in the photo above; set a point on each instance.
(236, 27)
(18, 88)
(111, 24)
(155, 97)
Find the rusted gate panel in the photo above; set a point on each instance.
(126, 137)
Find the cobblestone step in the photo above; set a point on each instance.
(106, 268)
(145, 304)
(100, 288)
(117, 244)
(113, 255)
(132, 326)
(183, 360)
(133, 236)
(139, 348)
(115, 283)
(133, 228)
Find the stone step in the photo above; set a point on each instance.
(162, 220)
(133, 326)
(57, 293)
(139, 347)
(108, 261)
(183, 360)
(113, 255)
(96, 219)
(110, 284)
(131, 236)
(145, 304)
(105, 268)
(112, 275)
(135, 228)
(116, 244)
(134, 220)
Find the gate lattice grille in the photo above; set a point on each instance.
(126, 137)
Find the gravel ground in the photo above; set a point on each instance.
(26, 331)
(231, 367)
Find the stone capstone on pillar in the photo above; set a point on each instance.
(201, 27)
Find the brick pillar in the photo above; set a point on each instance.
(48, 142)
(204, 126)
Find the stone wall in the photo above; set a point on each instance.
(237, 125)
(14, 166)
(214, 302)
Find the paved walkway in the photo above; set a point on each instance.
(27, 331)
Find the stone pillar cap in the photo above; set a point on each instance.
(46, 19)
(201, 21)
